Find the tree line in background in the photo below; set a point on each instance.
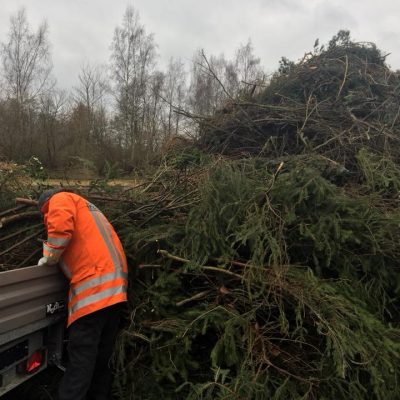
(119, 114)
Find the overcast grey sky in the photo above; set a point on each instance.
(81, 31)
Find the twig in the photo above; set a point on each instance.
(344, 79)
(134, 187)
(166, 208)
(19, 232)
(195, 297)
(107, 198)
(214, 75)
(395, 118)
(157, 176)
(22, 263)
(224, 271)
(145, 266)
(307, 116)
(165, 253)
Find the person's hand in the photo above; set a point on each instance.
(43, 261)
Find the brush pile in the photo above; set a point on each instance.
(275, 273)
(264, 259)
(335, 101)
(267, 282)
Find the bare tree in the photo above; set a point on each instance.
(248, 68)
(216, 81)
(154, 127)
(174, 96)
(26, 59)
(26, 73)
(92, 87)
(207, 90)
(91, 92)
(133, 59)
(52, 116)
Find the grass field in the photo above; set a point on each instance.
(86, 182)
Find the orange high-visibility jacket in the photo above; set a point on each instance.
(89, 252)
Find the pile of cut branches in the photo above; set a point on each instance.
(280, 280)
(337, 100)
(273, 283)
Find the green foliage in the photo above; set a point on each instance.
(328, 71)
(317, 298)
(285, 66)
(189, 157)
(381, 173)
(342, 39)
(224, 195)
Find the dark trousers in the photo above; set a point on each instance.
(91, 344)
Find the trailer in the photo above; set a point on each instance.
(33, 310)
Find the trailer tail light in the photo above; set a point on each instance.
(34, 361)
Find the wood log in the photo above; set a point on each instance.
(29, 214)
(27, 202)
(12, 210)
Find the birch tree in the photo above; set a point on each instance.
(26, 59)
(26, 63)
(133, 60)
(174, 94)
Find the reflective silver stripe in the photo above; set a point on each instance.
(52, 254)
(111, 249)
(97, 297)
(58, 241)
(107, 227)
(99, 280)
(64, 267)
(52, 251)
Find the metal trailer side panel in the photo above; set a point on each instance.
(24, 295)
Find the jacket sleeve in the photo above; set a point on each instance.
(60, 222)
